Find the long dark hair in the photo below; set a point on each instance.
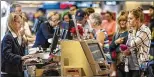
(67, 13)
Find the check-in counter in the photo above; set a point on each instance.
(48, 62)
(83, 58)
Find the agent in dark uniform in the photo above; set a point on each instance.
(12, 49)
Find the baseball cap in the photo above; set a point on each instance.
(80, 15)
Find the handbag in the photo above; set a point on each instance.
(121, 66)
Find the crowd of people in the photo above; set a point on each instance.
(128, 40)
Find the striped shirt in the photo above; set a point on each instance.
(106, 40)
(139, 45)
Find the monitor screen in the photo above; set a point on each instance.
(64, 33)
(96, 52)
(64, 30)
(55, 40)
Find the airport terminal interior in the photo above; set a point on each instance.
(77, 38)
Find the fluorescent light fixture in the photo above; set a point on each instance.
(95, 5)
(84, 4)
(37, 2)
(50, 1)
(110, 2)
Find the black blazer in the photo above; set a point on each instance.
(11, 53)
(43, 34)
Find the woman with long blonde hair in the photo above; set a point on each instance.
(12, 50)
(120, 37)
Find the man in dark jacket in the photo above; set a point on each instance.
(38, 21)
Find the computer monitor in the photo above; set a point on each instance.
(64, 30)
(55, 40)
(96, 52)
(93, 51)
(61, 32)
(95, 56)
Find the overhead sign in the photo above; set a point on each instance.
(51, 5)
(66, 5)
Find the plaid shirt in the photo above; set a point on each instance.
(140, 41)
